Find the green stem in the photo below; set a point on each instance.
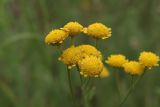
(88, 86)
(132, 79)
(96, 43)
(72, 41)
(60, 48)
(70, 85)
(87, 83)
(79, 75)
(131, 89)
(81, 81)
(117, 78)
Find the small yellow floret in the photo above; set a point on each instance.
(133, 68)
(98, 30)
(89, 50)
(73, 28)
(56, 37)
(90, 66)
(116, 60)
(70, 56)
(148, 59)
(104, 73)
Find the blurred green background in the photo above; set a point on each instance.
(31, 75)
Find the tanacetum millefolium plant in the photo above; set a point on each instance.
(89, 61)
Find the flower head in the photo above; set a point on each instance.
(56, 37)
(73, 28)
(104, 73)
(70, 56)
(133, 68)
(148, 59)
(98, 30)
(90, 66)
(116, 60)
(88, 50)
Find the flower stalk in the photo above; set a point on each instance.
(131, 89)
(117, 80)
(96, 42)
(70, 85)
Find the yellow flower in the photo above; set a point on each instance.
(56, 37)
(70, 56)
(148, 59)
(116, 60)
(98, 30)
(133, 68)
(73, 55)
(87, 50)
(73, 28)
(90, 66)
(104, 73)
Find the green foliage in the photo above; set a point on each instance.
(32, 76)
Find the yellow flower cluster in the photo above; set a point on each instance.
(96, 30)
(70, 56)
(146, 59)
(74, 28)
(116, 60)
(90, 66)
(87, 58)
(56, 37)
(133, 68)
(89, 50)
